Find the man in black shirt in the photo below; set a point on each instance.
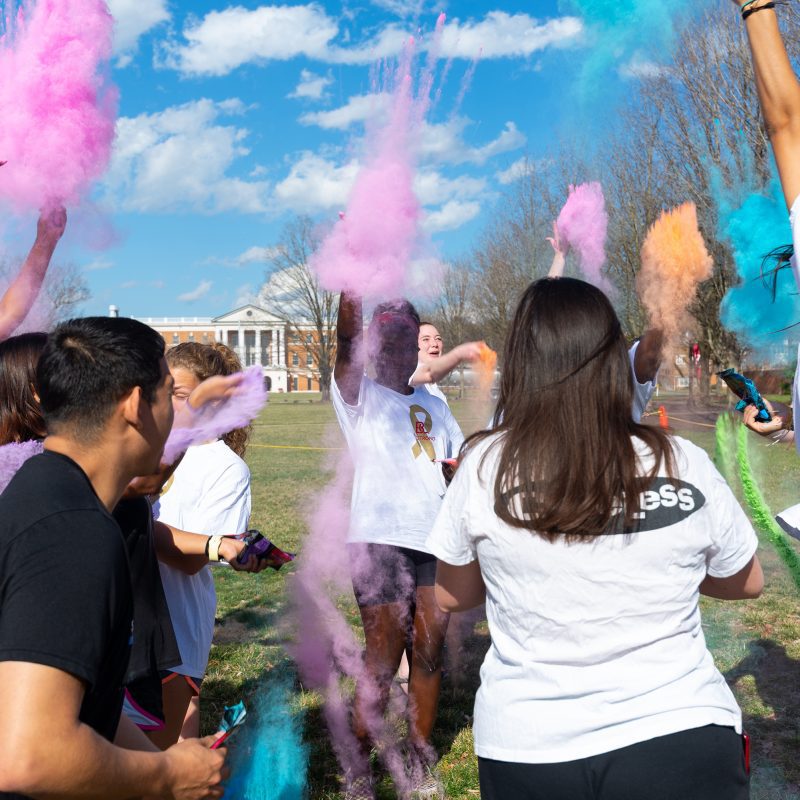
(65, 595)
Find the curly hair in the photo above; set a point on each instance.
(204, 361)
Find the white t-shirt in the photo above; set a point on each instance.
(209, 493)
(794, 219)
(642, 392)
(597, 645)
(431, 388)
(394, 440)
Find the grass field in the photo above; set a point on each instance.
(756, 643)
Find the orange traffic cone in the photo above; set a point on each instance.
(663, 418)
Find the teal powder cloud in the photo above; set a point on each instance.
(753, 227)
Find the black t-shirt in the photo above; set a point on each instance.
(65, 592)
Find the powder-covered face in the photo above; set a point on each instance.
(393, 349)
(431, 344)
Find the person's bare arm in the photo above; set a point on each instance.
(746, 584)
(778, 93)
(22, 293)
(349, 367)
(559, 254)
(647, 360)
(459, 588)
(187, 551)
(48, 753)
(437, 368)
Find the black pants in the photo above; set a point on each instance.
(699, 764)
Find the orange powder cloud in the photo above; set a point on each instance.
(484, 368)
(674, 260)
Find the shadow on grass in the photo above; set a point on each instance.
(774, 723)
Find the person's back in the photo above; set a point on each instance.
(593, 642)
(590, 537)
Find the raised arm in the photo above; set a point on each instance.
(19, 298)
(778, 93)
(648, 355)
(349, 367)
(436, 369)
(559, 255)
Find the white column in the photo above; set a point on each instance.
(281, 350)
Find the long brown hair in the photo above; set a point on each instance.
(567, 464)
(20, 413)
(204, 361)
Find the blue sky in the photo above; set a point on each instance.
(234, 118)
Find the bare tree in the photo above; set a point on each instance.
(513, 252)
(293, 293)
(64, 290)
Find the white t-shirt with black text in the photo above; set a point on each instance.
(209, 493)
(597, 645)
(395, 441)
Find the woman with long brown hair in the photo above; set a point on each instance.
(590, 537)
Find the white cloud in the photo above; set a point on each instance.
(451, 215)
(445, 142)
(178, 159)
(514, 172)
(98, 264)
(197, 293)
(358, 108)
(245, 295)
(640, 67)
(311, 86)
(401, 8)
(316, 184)
(222, 41)
(129, 284)
(432, 188)
(256, 255)
(132, 18)
(503, 35)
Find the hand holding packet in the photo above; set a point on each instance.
(256, 544)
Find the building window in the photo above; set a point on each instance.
(295, 338)
(309, 338)
(309, 359)
(308, 384)
(205, 338)
(295, 359)
(294, 385)
(175, 339)
(191, 336)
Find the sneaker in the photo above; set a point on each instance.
(360, 788)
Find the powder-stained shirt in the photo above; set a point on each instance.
(395, 441)
(642, 392)
(597, 645)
